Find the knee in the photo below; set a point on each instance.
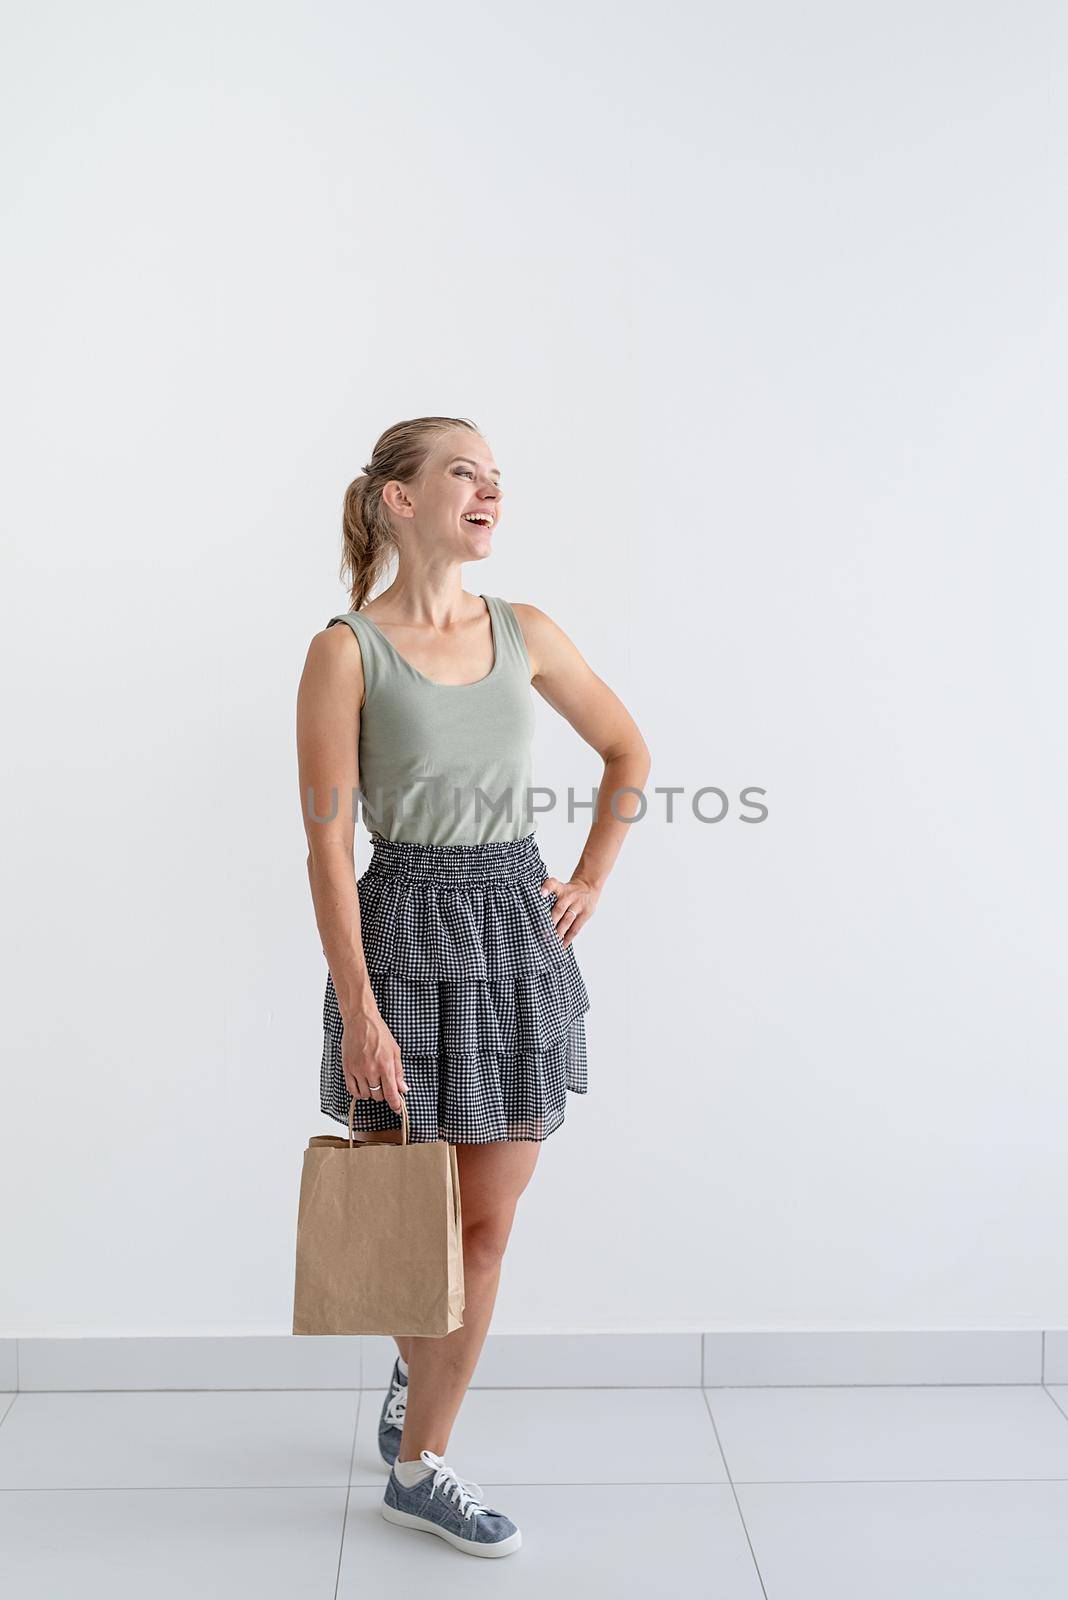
(484, 1246)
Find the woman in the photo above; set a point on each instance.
(452, 975)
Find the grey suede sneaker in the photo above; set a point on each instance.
(452, 1507)
(391, 1420)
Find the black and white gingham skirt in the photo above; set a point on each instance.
(485, 1001)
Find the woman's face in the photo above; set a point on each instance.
(455, 504)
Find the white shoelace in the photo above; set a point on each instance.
(467, 1495)
(397, 1401)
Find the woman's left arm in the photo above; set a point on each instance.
(569, 684)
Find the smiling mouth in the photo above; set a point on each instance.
(479, 519)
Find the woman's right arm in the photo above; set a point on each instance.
(328, 736)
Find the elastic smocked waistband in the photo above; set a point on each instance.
(498, 859)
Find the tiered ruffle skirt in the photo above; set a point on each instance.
(485, 1001)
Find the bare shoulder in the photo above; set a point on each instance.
(547, 643)
(334, 659)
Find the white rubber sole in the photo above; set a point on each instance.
(404, 1519)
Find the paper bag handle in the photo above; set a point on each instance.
(404, 1121)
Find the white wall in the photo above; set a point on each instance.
(761, 309)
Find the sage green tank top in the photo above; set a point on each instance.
(444, 763)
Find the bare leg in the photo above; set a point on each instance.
(492, 1177)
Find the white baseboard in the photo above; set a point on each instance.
(519, 1360)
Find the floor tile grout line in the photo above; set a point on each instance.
(513, 1483)
(348, 1492)
(934, 1383)
(352, 1463)
(514, 1388)
(705, 1483)
(9, 1409)
(528, 1388)
(177, 1488)
(1056, 1402)
(802, 1483)
(734, 1491)
(377, 1487)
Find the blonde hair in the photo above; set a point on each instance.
(367, 530)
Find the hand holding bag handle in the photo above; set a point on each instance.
(385, 1136)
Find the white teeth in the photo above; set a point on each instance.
(478, 516)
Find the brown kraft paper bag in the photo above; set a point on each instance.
(379, 1235)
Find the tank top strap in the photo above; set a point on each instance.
(509, 636)
(379, 661)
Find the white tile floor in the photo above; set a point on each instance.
(786, 1493)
